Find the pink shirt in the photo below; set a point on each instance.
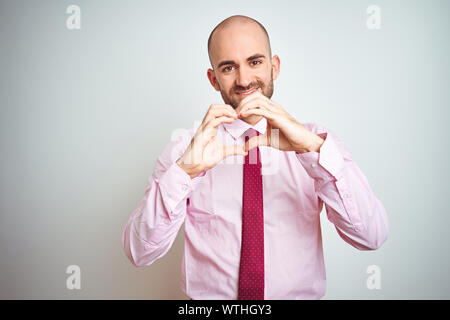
(295, 188)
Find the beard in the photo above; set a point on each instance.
(231, 99)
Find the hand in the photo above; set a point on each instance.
(204, 150)
(292, 136)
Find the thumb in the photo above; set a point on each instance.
(232, 150)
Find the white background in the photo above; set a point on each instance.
(85, 113)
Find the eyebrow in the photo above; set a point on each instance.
(253, 57)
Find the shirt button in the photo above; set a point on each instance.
(313, 165)
(184, 187)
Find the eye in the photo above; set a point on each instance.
(226, 69)
(257, 62)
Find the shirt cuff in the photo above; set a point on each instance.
(176, 186)
(325, 165)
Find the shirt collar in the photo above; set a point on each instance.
(238, 127)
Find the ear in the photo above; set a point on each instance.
(275, 66)
(212, 78)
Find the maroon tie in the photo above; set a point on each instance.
(251, 271)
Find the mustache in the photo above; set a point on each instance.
(250, 87)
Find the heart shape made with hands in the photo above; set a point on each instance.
(283, 131)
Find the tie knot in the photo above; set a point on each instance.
(250, 134)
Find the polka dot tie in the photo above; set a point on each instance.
(251, 271)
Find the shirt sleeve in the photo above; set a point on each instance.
(359, 217)
(153, 226)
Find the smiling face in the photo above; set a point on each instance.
(241, 60)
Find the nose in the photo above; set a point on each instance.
(244, 77)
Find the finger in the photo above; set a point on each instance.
(256, 103)
(251, 97)
(233, 150)
(214, 123)
(219, 113)
(226, 106)
(245, 102)
(256, 141)
(223, 109)
(219, 110)
(209, 130)
(262, 112)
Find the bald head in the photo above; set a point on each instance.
(224, 30)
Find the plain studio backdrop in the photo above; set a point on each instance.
(86, 112)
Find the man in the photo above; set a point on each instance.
(252, 225)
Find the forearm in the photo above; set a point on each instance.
(191, 170)
(313, 144)
(153, 226)
(358, 215)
